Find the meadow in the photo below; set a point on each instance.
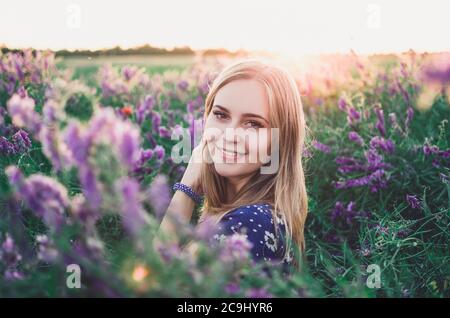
(86, 175)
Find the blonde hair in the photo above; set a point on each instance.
(285, 190)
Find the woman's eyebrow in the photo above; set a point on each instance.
(245, 115)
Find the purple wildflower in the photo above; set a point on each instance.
(23, 114)
(134, 217)
(21, 141)
(235, 248)
(46, 250)
(232, 288)
(44, 196)
(354, 136)
(159, 195)
(159, 152)
(258, 293)
(321, 147)
(342, 104)
(353, 116)
(384, 144)
(164, 132)
(380, 120)
(413, 201)
(409, 116)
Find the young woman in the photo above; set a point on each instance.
(248, 104)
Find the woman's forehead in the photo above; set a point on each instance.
(243, 96)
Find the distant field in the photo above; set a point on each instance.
(86, 67)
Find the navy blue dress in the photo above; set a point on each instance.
(257, 224)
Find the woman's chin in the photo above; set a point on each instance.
(229, 170)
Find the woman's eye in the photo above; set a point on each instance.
(219, 115)
(254, 124)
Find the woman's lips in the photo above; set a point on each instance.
(230, 155)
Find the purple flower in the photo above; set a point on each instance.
(156, 121)
(353, 116)
(354, 136)
(235, 248)
(438, 71)
(23, 114)
(6, 147)
(258, 293)
(21, 141)
(347, 215)
(46, 249)
(342, 104)
(44, 196)
(321, 147)
(380, 120)
(430, 149)
(164, 132)
(159, 152)
(10, 258)
(51, 146)
(376, 181)
(144, 108)
(384, 144)
(159, 195)
(413, 201)
(232, 288)
(183, 85)
(134, 217)
(409, 116)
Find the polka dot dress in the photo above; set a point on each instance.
(257, 224)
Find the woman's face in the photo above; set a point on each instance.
(237, 129)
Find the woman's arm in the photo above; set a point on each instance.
(181, 207)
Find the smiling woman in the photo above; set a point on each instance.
(248, 104)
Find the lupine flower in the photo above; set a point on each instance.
(164, 132)
(235, 248)
(6, 147)
(22, 142)
(258, 293)
(159, 152)
(134, 217)
(321, 147)
(183, 85)
(346, 214)
(23, 114)
(438, 71)
(409, 116)
(354, 136)
(342, 104)
(144, 108)
(43, 195)
(384, 144)
(159, 195)
(380, 120)
(156, 121)
(430, 149)
(232, 288)
(376, 181)
(353, 116)
(10, 258)
(46, 250)
(413, 201)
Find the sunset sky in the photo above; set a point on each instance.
(292, 27)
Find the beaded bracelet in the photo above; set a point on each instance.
(188, 190)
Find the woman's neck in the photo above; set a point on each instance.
(234, 185)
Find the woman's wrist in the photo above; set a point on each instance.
(189, 191)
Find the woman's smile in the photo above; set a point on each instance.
(228, 155)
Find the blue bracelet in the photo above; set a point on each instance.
(188, 190)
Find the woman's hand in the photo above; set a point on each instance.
(192, 173)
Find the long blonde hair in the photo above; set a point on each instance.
(285, 190)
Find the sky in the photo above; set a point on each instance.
(291, 27)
